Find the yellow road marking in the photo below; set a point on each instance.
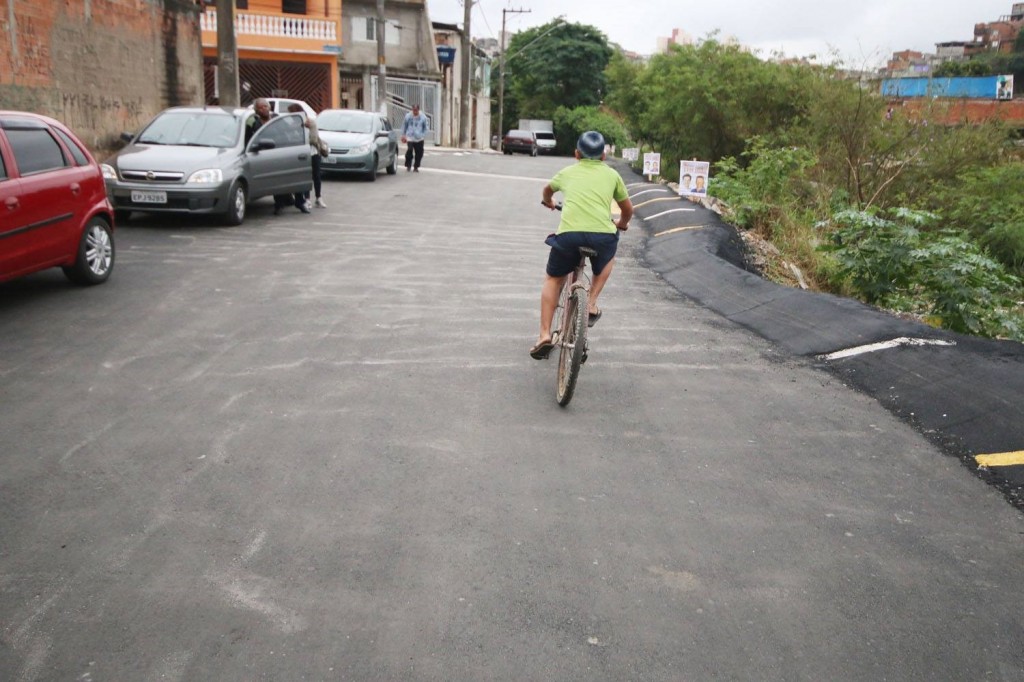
(679, 229)
(651, 201)
(1001, 459)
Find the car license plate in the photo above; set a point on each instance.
(139, 197)
(331, 159)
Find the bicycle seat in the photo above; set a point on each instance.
(587, 251)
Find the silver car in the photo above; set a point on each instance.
(208, 160)
(361, 142)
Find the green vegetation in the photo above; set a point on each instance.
(915, 217)
(554, 65)
(571, 123)
(941, 275)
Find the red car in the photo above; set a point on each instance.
(520, 141)
(53, 202)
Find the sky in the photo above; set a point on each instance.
(863, 34)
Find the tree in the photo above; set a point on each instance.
(571, 123)
(555, 65)
(706, 101)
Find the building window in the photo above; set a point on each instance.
(364, 30)
(241, 4)
(293, 6)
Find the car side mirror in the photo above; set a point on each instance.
(264, 145)
(382, 133)
(126, 137)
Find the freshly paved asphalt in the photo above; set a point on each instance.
(965, 394)
(314, 447)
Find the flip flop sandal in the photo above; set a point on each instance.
(594, 317)
(542, 350)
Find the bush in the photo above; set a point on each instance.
(1006, 243)
(939, 273)
(769, 184)
(988, 203)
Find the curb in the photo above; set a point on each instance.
(963, 393)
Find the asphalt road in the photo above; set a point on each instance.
(314, 448)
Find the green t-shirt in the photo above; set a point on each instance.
(588, 189)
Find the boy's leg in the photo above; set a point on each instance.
(597, 285)
(408, 156)
(548, 302)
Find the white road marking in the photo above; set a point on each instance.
(483, 175)
(883, 345)
(672, 210)
(646, 191)
(684, 228)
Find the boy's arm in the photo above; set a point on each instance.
(626, 206)
(547, 197)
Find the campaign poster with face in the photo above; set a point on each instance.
(693, 178)
(652, 163)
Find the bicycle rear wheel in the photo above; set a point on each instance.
(572, 345)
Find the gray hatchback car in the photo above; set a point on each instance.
(198, 160)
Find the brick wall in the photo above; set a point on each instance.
(100, 66)
(958, 111)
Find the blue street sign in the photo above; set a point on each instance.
(445, 54)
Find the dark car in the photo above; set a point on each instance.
(524, 141)
(53, 204)
(199, 160)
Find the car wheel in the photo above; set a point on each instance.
(95, 257)
(372, 175)
(393, 166)
(237, 200)
(121, 216)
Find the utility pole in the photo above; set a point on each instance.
(501, 72)
(464, 122)
(227, 55)
(382, 69)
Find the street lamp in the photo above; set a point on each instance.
(559, 21)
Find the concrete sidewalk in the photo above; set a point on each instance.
(963, 393)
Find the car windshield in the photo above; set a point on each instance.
(345, 122)
(192, 129)
(545, 136)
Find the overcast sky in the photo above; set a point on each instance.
(865, 31)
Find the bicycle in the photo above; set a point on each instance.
(569, 326)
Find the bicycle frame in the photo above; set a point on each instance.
(576, 279)
(571, 337)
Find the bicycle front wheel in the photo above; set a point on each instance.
(572, 345)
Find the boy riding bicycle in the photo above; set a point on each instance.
(589, 187)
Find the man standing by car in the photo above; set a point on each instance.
(414, 132)
(262, 109)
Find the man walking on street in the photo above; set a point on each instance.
(414, 131)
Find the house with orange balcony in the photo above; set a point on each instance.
(286, 48)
